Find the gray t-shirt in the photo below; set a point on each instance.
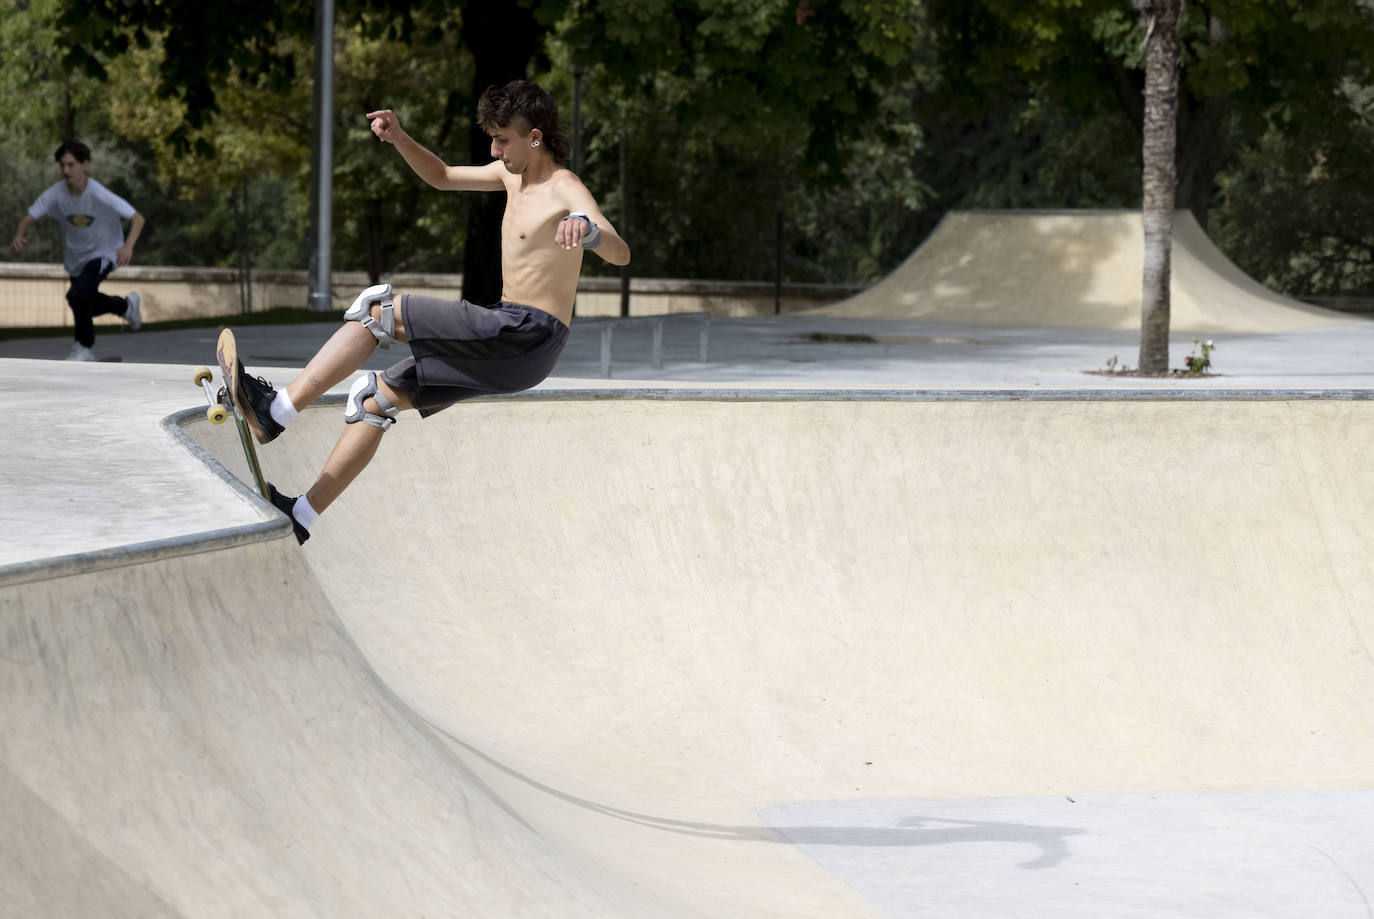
(90, 222)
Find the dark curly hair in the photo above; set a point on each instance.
(500, 106)
(76, 148)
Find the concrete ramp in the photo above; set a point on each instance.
(712, 654)
(1072, 268)
(197, 736)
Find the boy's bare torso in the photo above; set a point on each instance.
(535, 271)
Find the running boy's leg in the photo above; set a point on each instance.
(83, 296)
(87, 302)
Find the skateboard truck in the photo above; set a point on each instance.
(220, 406)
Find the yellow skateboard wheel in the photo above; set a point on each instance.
(203, 374)
(217, 414)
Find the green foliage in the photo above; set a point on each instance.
(1298, 212)
(29, 170)
(219, 185)
(42, 98)
(385, 218)
(1039, 105)
(747, 72)
(734, 112)
(859, 121)
(198, 45)
(47, 104)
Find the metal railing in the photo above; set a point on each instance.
(656, 324)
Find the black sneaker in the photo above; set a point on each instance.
(287, 506)
(253, 396)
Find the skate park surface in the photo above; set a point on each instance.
(865, 616)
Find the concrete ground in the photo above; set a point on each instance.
(860, 617)
(820, 349)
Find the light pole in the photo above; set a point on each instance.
(321, 183)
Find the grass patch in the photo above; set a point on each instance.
(859, 338)
(282, 315)
(839, 338)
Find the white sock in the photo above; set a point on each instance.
(283, 412)
(305, 514)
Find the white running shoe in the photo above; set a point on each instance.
(133, 316)
(81, 353)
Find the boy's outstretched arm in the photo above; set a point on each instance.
(429, 167)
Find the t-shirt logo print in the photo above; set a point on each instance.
(80, 220)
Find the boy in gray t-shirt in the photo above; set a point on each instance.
(93, 243)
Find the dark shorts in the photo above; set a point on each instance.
(461, 350)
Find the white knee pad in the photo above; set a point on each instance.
(361, 311)
(363, 388)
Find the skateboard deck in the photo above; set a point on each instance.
(223, 402)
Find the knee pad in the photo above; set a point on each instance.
(363, 389)
(361, 311)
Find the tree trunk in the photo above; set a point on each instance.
(1201, 149)
(503, 37)
(66, 116)
(1160, 20)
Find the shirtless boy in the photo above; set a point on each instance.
(458, 349)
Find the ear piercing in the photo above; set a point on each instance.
(535, 144)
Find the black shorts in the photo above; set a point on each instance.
(461, 350)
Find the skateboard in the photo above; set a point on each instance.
(222, 405)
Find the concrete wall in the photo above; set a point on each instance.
(34, 295)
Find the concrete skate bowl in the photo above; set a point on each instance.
(600, 655)
(1072, 268)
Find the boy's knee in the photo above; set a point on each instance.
(368, 403)
(82, 307)
(374, 310)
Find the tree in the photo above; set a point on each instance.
(201, 45)
(503, 37)
(386, 220)
(43, 95)
(792, 105)
(1248, 65)
(1298, 213)
(1160, 22)
(207, 47)
(734, 111)
(1023, 79)
(47, 104)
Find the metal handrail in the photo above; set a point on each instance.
(657, 323)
